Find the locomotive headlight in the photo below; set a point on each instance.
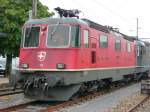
(25, 66)
(60, 66)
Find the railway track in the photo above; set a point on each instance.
(10, 91)
(16, 107)
(6, 94)
(53, 106)
(142, 106)
(71, 103)
(79, 100)
(14, 101)
(131, 103)
(50, 107)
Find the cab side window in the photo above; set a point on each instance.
(128, 46)
(103, 41)
(86, 38)
(118, 45)
(75, 37)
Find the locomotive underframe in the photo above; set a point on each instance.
(61, 85)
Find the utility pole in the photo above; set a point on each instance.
(34, 9)
(137, 28)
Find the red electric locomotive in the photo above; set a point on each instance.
(60, 57)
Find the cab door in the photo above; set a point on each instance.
(93, 54)
(139, 55)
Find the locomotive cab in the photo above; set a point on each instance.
(46, 46)
(49, 53)
(57, 36)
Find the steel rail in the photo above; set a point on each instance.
(92, 95)
(10, 92)
(16, 107)
(9, 89)
(138, 104)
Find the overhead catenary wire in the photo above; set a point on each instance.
(113, 12)
(120, 16)
(105, 8)
(90, 10)
(84, 8)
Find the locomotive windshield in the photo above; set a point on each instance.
(58, 36)
(31, 37)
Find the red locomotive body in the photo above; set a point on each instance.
(58, 56)
(93, 56)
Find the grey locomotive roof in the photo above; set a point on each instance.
(55, 21)
(68, 20)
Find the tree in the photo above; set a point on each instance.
(13, 14)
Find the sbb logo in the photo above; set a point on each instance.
(41, 55)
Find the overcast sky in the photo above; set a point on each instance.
(121, 14)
